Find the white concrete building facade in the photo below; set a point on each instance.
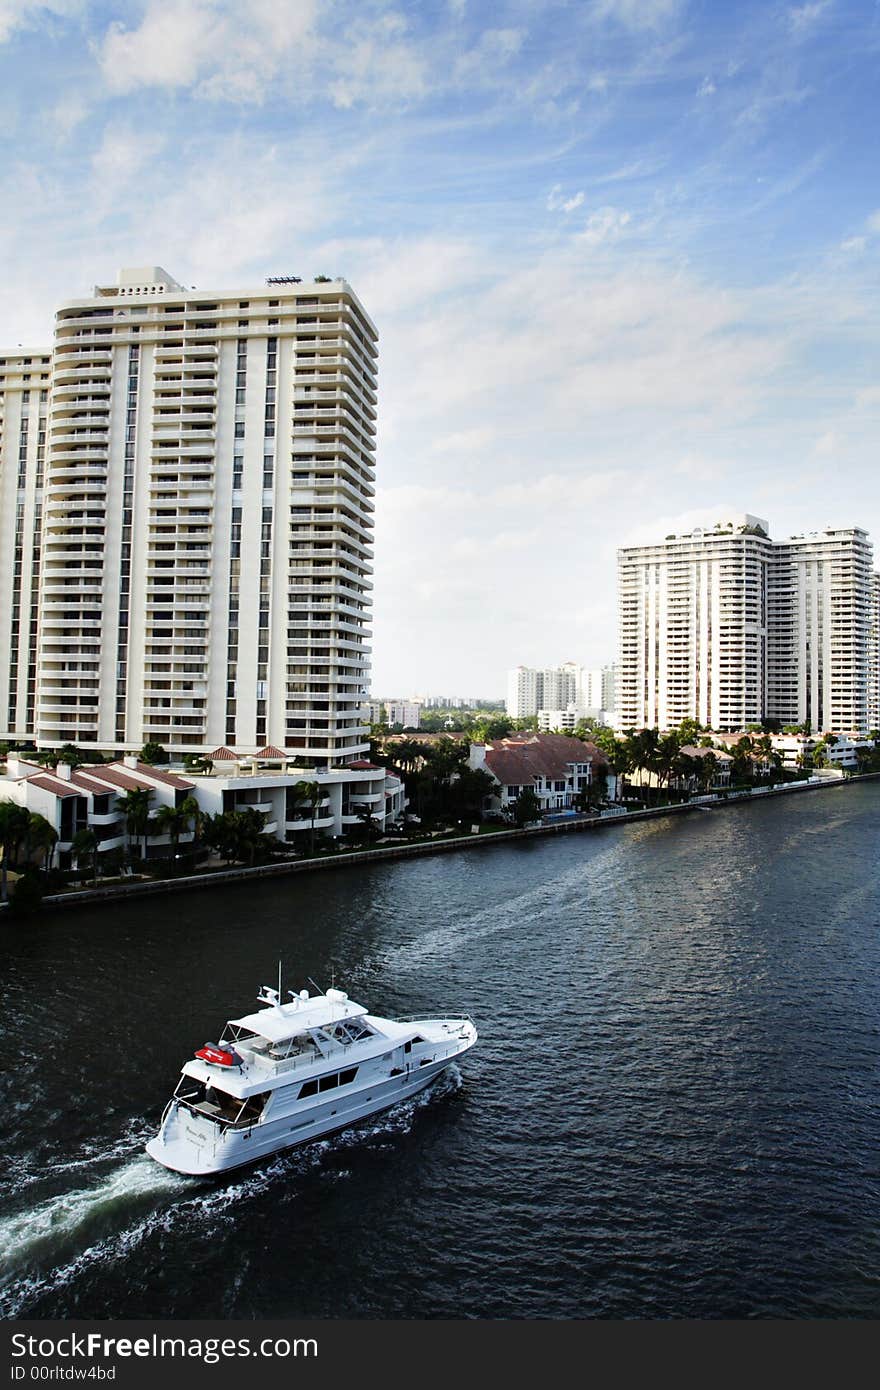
(407, 713)
(206, 481)
(729, 627)
(693, 628)
(874, 656)
(819, 589)
(24, 403)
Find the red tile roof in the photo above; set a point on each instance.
(271, 752)
(223, 754)
(169, 779)
(56, 785)
(515, 761)
(113, 778)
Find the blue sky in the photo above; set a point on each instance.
(623, 256)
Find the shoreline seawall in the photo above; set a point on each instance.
(113, 893)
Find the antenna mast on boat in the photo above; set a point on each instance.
(279, 980)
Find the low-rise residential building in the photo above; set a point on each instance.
(91, 797)
(556, 768)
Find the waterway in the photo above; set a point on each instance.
(672, 1110)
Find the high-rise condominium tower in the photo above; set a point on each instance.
(729, 627)
(207, 515)
(24, 397)
(874, 656)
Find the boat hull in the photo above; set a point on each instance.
(191, 1152)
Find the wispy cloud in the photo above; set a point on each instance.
(802, 19)
(557, 202)
(27, 14)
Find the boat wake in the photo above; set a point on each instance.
(90, 1155)
(47, 1248)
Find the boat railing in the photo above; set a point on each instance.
(420, 1018)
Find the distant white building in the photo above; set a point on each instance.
(547, 691)
(405, 712)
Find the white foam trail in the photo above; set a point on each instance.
(92, 1154)
(23, 1235)
(59, 1218)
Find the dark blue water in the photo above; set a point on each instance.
(672, 1110)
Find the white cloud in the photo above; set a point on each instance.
(707, 88)
(606, 224)
(827, 443)
(803, 18)
(377, 63)
(29, 14)
(122, 155)
(225, 50)
(557, 203)
(637, 14)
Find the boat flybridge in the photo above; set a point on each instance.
(291, 1073)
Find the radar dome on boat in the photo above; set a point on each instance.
(338, 996)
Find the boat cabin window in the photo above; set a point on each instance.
(408, 1047)
(327, 1083)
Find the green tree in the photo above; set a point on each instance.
(527, 807)
(41, 836)
(84, 846)
(135, 807)
(175, 821)
(311, 794)
(467, 792)
(496, 726)
(368, 829)
(14, 822)
(690, 731)
(153, 753)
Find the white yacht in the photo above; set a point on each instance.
(290, 1073)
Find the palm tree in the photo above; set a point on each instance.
(666, 757)
(85, 846)
(135, 806)
(14, 820)
(311, 793)
(43, 836)
(171, 821)
(247, 832)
